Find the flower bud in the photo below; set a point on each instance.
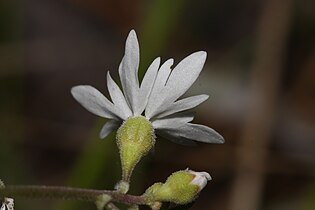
(8, 204)
(180, 188)
(135, 138)
(102, 200)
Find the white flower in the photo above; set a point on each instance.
(156, 98)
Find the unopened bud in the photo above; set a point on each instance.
(102, 201)
(7, 204)
(180, 188)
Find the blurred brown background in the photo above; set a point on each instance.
(260, 75)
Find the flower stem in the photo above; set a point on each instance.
(68, 193)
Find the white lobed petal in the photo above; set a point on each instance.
(95, 102)
(118, 97)
(197, 132)
(185, 74)
(161, 79)
(173, 121)
(179, 81)
(184, 104)
(109, 127)
(146, 86)
(128, 69)
(175, 137)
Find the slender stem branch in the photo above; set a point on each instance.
(68, 193)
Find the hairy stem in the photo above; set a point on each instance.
(68, 193)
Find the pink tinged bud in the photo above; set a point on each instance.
(200, 179)
(181, 187)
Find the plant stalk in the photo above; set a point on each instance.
(68, 193)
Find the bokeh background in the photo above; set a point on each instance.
(260, 75)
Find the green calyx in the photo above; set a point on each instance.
(177, 189)
(135, 138)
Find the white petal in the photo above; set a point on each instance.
(201, 179)
(146, 86)
(173, 121)
(128, 69)
(109, 127)
(94, 101)
(198, 132)
(159, 84)
(184, 104)
(185, 74)
(180, 80)
(175, 137)
(118, 97)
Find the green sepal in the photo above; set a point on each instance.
(135, 138)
